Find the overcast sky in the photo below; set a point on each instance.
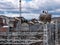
(30, 8)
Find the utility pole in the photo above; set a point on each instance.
(56, 33)
(19, 19)
(45, 38)
(20, 10)
(20, 7)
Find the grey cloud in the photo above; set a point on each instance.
(48, 4)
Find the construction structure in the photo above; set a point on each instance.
(26, 36)
(38, 33)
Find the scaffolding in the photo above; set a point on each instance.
(43, 36)
(31, 38)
